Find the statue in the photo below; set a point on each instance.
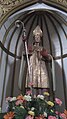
(38, 72)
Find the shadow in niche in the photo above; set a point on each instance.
(60, 81)
(12, 85)
(60, 89)
(11, 82)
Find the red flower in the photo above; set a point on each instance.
(20, 97)
(52, 117)
(9, 115)
(58, 101)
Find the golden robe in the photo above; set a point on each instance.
(38, 71)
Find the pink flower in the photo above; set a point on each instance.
(31, 84)
(29, 117)
(8, 99)
(58, 101)
(52, 117)
(57, 112)
(63, 115)
(19, 102)
(29, 92)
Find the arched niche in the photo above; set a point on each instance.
(52, 20)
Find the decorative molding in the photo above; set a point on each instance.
(6, 5)
(9, 5)
(62, 2)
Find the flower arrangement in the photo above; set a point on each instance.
(33, 107)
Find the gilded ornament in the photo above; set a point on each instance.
(6, 5)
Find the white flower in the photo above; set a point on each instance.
(45, 114)
(13, 108)
(21, 107)
(41, 97)
(13, 99)
(32, 108)
(27, 97)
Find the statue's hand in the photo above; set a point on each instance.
(44, 53)
(45, 56)
(24, 38)
(30, 49)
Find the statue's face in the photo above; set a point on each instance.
(37, 38)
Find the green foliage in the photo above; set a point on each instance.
(20, 113)
(34, 107)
